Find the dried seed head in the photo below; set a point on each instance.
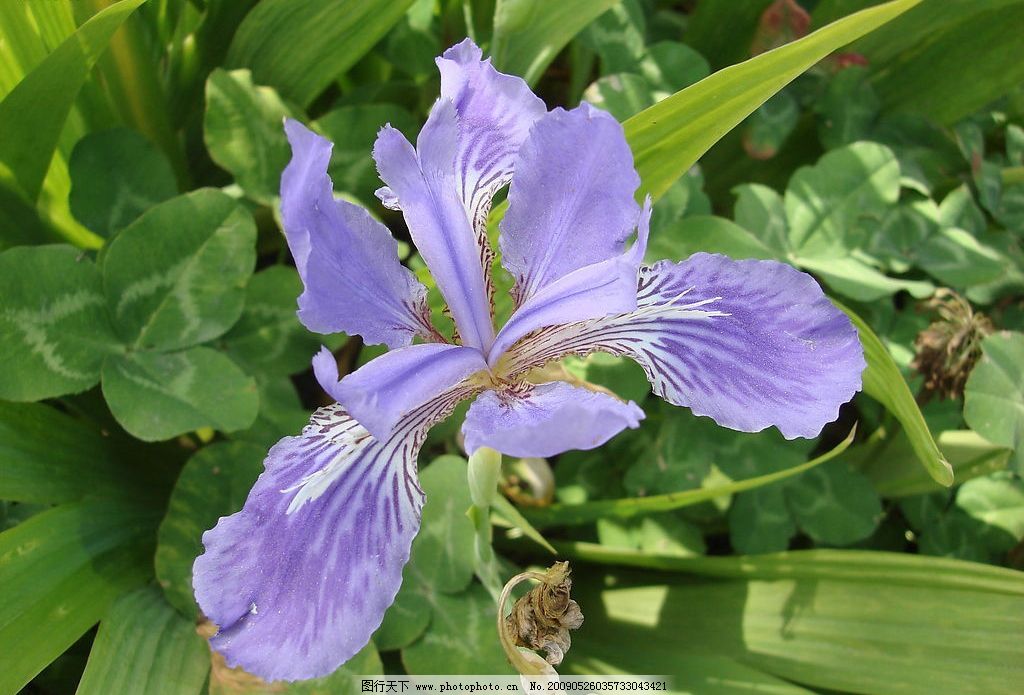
(948, 349)
(542, 618)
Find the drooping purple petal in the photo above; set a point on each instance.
(603, 288)
(380, 392)
(571, 202)
(748, 343)
(546, 420)
(348, 261)
(422, 183)
(299, 579)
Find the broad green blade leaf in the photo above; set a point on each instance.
(994, 396)
(33, 114)
(59, 571)
(299, 49)
(847, 621)
(116, 175)
(54, 328)
(50, 457)
(591, 511)
(214, 483)
(668, 138)
(268, 338)
(528, 34)
(244, 132)
(176, 277)
(462, 638)
(917, 59)
(884, 383)
(144, 646)
(156, 396)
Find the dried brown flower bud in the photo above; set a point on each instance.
(542, 618)
(948, 349)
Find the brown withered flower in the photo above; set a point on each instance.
(948, 349)
(541, 619)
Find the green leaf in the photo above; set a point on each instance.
(512, 515)
(244, 132)
(669, 137)
(847, 109)
(768, 128)
(50, 457)
(670, 66)
(268, 338)
(624, 508)
(884, 383)
(707, 233)
(32, 115)
(830, 205)
(116, 175)
(462, 638)
(54, 329)
(353, 129)
(834, 504)
(528, 34)
(144, 646)
(994, 395)
(857, 280)
(849, 621)
(622, 94)
(759, 521)
(60, 570)
(281, 413)
(214, 483)
(762, 212)
(995, 500)
(441, 559)
(176, 277)
(156, 396)
(300, 50)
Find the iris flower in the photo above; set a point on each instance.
(300, 578)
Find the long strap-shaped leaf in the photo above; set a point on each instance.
(33, 114)
(633, 506)
(669, 137)
(884, 383)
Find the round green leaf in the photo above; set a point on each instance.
(268, 337)
(213, 483)
(157, 396)
(176, 277)
(462, 638)
(243, 131)
(54, 328)
(994, 405)
(116, 175)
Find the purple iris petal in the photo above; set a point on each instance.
(423, 184)
(300, 578)
(748, 343)
(571, 202)
(546, 420)
(348, 261)
(600, 289)
(495, 113)
(380, 392)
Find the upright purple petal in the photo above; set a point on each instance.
(421, 182)
(571, 203)
(593, 291)
(495, 113)
(380, 392)
(748, 343)
(546, 420)
(348, 261)
(299, 579)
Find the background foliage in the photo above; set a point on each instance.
(150, 353)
